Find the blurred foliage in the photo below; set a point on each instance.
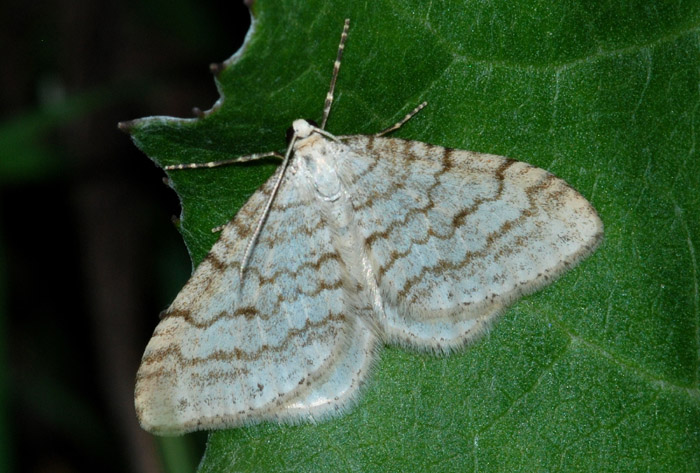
(70, 74)
(25, 152)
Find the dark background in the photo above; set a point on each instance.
(88, 252)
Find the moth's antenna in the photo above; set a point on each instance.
(287, 155)
(334, 78)
(266, 211)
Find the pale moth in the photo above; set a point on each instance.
(354, 242)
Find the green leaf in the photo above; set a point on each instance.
(599, 371)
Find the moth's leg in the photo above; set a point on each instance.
(225, 162)
(334, 77)
(398, 124)
(393, 127)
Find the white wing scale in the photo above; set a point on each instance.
(284, 345)
(455, 236)
(372, 238)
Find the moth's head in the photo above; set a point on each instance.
(301, 128)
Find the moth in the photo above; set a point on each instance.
(354, 242)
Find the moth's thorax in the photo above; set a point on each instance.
(317, 156)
